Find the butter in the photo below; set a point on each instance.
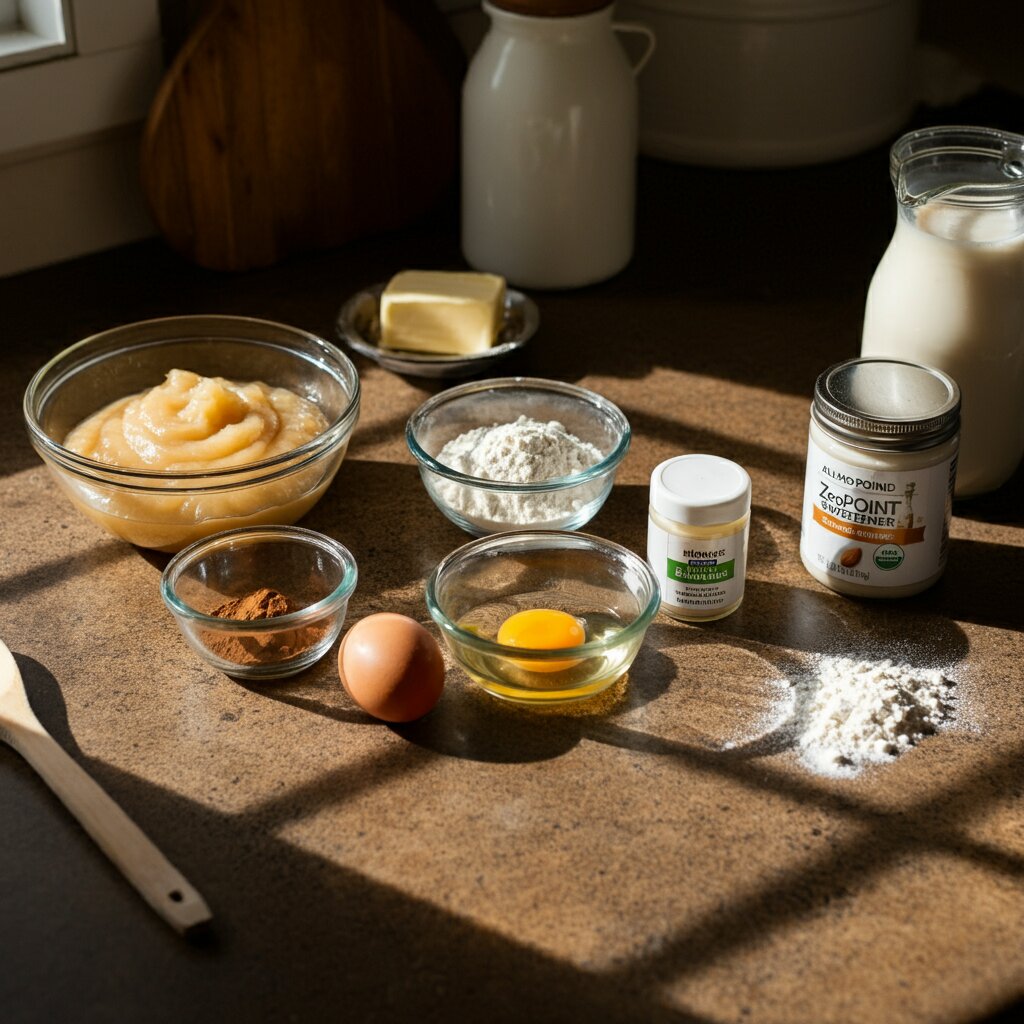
(451, 313)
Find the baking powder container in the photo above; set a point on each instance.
(881, 466)
(697, 535)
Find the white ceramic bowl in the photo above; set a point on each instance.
(773, 83)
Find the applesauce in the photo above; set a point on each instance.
(192, 424)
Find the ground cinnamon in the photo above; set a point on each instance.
(260, 604)
(260, 648)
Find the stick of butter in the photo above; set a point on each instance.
(454, 313)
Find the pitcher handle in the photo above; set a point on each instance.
(638, 29)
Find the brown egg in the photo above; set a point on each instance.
(391, 667)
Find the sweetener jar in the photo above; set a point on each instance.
(549, 144)
(949, 290)
(878, 487)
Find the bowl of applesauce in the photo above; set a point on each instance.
(169, 430)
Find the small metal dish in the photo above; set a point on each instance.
(358, 325)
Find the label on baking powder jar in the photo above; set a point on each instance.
(875, 528)
(703, 578)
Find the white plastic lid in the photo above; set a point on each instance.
(700, 490)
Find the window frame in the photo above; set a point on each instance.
(32, 31)
(106, 83)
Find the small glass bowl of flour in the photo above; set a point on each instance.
(518, 453)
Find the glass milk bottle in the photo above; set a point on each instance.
(949, 291)
(549, 144)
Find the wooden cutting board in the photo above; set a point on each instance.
(287, 125)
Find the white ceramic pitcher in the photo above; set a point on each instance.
(549, 142)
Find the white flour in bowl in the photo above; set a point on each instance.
(525, 451)
(854, 713)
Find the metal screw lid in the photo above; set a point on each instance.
(887, 404)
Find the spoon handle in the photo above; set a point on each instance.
(162, 886)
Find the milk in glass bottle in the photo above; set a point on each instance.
(949, 291)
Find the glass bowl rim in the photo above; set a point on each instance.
(185, 558)
(567, 538)
(121, 476)
(591, 398)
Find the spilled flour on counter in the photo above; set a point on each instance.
(854, 713)
(847, 713)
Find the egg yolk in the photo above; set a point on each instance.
(543, 629)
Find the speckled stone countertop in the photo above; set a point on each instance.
(663, 858)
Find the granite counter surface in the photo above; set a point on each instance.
(665, 857)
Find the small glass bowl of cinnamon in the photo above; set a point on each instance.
(261, 602)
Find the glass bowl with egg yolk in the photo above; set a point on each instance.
(543, 616)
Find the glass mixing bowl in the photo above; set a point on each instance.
(168, 510)
(608, 589)
(480, 506)
(315, 573)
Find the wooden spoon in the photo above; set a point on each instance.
(156, 879)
